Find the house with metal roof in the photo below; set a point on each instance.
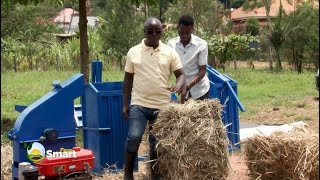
(239, 16)
(68, 20)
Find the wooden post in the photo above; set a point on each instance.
(84, 47)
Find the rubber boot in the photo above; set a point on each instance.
(155, 175)
(153, 154)
(129, 164)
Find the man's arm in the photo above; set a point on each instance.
(198, 77)
(203, 61)
(126, 93)
(179, 87)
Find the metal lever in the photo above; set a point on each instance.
(50, 134)
(56, 85)
(42, 138)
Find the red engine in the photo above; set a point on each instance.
(78, 160)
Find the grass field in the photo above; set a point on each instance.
(263, 88)
(257, 89)
(24, 88)
(267, 97)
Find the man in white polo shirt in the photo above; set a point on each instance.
(193, 53)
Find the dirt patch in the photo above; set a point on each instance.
(6, 160)
(258, 64)
(239, 169)
(6, 125)
(306, 110)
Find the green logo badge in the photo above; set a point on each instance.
(35, 152)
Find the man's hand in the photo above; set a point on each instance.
(125, 112)
(176, 89)
(183, 94)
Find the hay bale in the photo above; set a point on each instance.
(192, 141)
(283, 155)
(6, 161)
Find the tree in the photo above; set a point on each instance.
(231, 47)
(207, 14)
(161, 4)
(28, 26)
(121, 28)
(16, 19)
(237, 3)
(226, 27)
(253, 4)
(252, 26)
(277, 34)
(303, 37)
(84, 51)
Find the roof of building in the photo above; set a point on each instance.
(64, 15)
(240, 14)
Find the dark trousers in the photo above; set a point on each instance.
(205, 96)
(138, 118)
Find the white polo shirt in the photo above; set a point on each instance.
(191, 56)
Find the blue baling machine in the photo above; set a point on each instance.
(50, 121)
(225, 89)
(104, 129)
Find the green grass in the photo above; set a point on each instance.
(256, 89)
(24, 88)
(263, 88)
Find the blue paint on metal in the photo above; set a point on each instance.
(96, 71)
(224, 88)
(104, 129)
(235, 96)
(56, 85)
(143, 157)
(78, 115)
(55, 111)
(174, 97)
(20, 108)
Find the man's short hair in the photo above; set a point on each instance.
(186, 20)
